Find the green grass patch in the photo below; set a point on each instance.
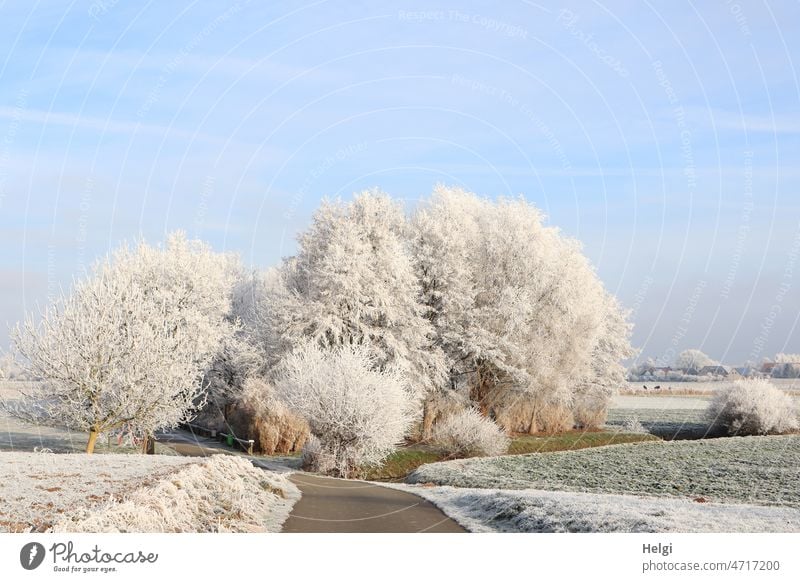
(405, 460)
(402, 462)
(570, 441)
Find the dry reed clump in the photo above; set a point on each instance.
(222, 494)
(259, 415)
(590, 412)
(528, 413)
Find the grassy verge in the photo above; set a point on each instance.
(402, 462)
(405, 460)
(571, 441)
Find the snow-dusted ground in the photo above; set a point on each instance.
(139, 493)
(496, 510)
(752, 470)
(37, 488)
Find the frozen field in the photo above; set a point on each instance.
(496, 510)
(672, 416)
(750, 470)
(666, 387)
(139, 493)
(668, 417)
(625, 402)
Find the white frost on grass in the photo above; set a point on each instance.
(665, 416)
(751, 470)
(36, 489)
(222, 494)
(625, 402)
(139, 493)
(495, 510)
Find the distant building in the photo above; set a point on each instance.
(768, 367)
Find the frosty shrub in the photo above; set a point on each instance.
(315, 458)
(753, 407)
(633, 425)
(440, 405)
(358, 413)
(468, 434)
(260, 416)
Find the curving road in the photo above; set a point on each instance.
(341, 506)
(336, 505)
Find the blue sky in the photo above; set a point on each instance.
(663, 135)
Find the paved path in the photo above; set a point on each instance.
(335, 505)
(341, 506)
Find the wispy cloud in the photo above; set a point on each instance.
(779, 122)
(98, 124)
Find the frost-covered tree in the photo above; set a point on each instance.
(352, 283)
(235, 362)
(11, 370)
(128, 347)
(242, 355)
(357, 411)
(605, 373)
(693, 359)
(257, 299)
(788, 366)
(641, 370)
(527, 328)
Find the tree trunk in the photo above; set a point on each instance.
(93, 434)
(149, 445)
(532, 429)
(427, 420)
